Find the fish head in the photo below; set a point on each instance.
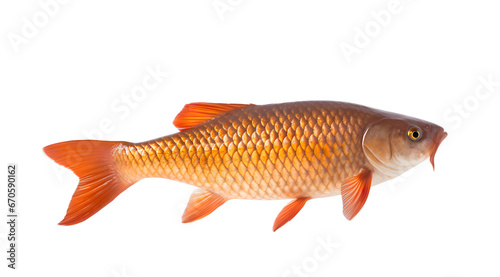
(397, 143)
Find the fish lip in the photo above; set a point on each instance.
(435, 144)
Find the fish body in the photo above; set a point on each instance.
(299, 150)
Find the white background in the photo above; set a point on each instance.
(60, 82)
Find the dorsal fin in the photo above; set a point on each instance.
(194, 114)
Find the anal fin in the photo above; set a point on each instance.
(201, 203)
(289, 212)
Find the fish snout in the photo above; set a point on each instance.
(438, 138)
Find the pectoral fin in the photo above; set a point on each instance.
(201, 203)
(289, 212)
(355, 191)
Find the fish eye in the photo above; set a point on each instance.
(415, 133)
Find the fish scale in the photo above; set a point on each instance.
(260, 152)
(299, 150)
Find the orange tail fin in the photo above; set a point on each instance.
(100, 180)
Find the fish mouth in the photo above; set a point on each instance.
(435, 144)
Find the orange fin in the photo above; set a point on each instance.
(201, 203)
(196, 113)
(355, 191)
(289, 212)
(92, 161)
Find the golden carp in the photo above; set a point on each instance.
(299, 151)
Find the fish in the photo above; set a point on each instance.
(297, 150)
